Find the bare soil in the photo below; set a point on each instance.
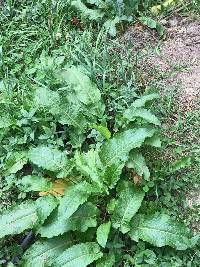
(177, 58)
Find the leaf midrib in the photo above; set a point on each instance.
(19, 219)
(83, 255)
(158, 230)
(51, 249)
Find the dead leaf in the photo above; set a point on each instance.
(58, 188)
(137, 179)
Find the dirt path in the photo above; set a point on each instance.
(178, 58)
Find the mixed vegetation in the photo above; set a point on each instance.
(85, 178)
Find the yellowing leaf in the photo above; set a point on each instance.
(137, 179)
(57, 189)
(156, 9)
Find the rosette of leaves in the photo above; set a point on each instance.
(109, 13)
(95, 213)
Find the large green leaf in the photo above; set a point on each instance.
(112, 173)
(26, 216)
(81, 103)
(119, 146)
(132, 113)
(102, 233)
(143, 100)
(129, 201)
(48, 99)
(81, 220)
(45, 205)
(74, 196)
(86, 91)
(72, 114)
(92, 14)
(137, 162)
(89, 164)
(160, 230)
(44, 251)
(18, 219)
(48, 158)
(80, 255)
(36, 183)
(108, 260)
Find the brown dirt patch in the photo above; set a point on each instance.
(178, 57)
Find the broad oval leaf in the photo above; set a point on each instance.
(44, 251)
(35, 183)
(118, 147)
(18, 219)
(102, 233)
(128, 203)
(86, 91)
(160, 230)
(81, 220)
(48, 158)
(80, 255)
(26, 216)
(45, 98)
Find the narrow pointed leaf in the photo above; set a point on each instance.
(132, 113)
(81, 220)
(118, 147)
(102, 233)
(103, 131)
(80, 255)
(129, 201)
(74, 196)
(141, 102)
